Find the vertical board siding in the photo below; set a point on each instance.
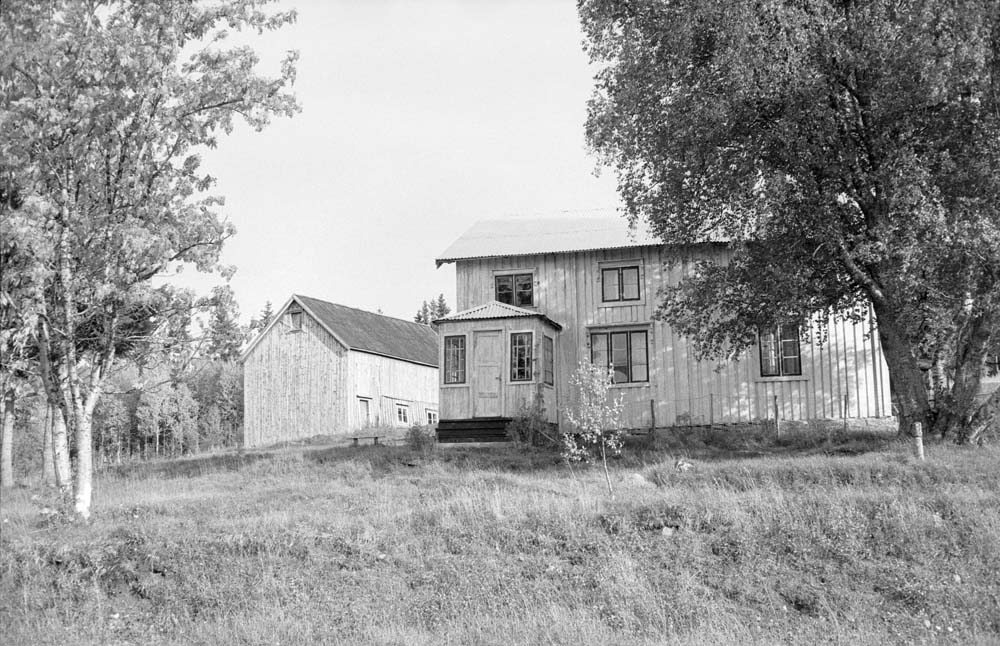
(682, 389)
(385, 381)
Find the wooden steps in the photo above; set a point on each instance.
(478, 429)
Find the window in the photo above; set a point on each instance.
(627, 353)
(516, 289)
(620, 284)
(295, 319)
(548, 364)
(402, 414)
(432, 417)
(454, 360)
(365, 411)
(779, 352)
(520, 356)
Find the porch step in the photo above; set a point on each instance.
(477, 429)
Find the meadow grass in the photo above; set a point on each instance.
(840, 541)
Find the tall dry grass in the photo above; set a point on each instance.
(385, 545)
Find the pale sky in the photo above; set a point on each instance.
(418, 119)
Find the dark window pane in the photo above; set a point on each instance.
(523, 284)
(630, 283)
(548, 360)
(505, 289)
(610, 285)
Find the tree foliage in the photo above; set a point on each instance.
(107, 104)
(595, 417)
(432, 310)
(849, 154)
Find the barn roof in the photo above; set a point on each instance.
(497, 310)
(523, 237)
(368, 332)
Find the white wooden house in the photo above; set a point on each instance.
(326, 369)
(534, 297)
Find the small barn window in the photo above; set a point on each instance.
(432, 417)
(454, 360)
(626, 353)
(402, 414)
(295, 320)
(620, 284)
(548, 363)
(520, 356)
(516, 289)
(780, 355)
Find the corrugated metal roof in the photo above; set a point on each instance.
(497, 310)
(375, 333)
(521, 237)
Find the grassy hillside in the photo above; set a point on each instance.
(383, 545)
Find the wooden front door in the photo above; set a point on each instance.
(487, 379)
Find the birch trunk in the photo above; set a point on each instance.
(7, 440)
(60, 449)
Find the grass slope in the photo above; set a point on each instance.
(383, 545)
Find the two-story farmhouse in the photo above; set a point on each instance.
(534, 297)
(325, 369)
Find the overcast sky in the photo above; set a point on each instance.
(418, 118)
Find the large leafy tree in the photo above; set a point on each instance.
(105, 107)
(848, 151)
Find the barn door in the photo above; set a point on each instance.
(487, 380)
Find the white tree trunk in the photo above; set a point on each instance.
(60, 449)
(84, 463)
(7, 441)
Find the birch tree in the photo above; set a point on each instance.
(106, 106)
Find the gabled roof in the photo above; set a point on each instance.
(367, 332)
(523, 237)
(497, 310)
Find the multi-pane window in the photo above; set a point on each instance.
(516, 289)
(779, 352)
(402, 414)
(620, 284)
(548, 362)
(626, 353)
(454, 360)
(520, 356)
(432, 417)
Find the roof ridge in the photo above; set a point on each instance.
(357, 309)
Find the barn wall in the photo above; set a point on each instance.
(384, 382)
(294, 384)
(843, 376)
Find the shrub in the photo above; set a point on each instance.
(421, 438)
(596, 417)
(530, 426)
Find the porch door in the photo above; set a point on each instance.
(487, 365)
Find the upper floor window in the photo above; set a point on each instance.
(548, 361)
(516, 289)
(520, 356)
(626, 353)
(454, 360)
(620, 284)
(779, 352)
(295, 320)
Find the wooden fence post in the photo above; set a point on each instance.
(777, 429)
(652, 417)
(711, 410)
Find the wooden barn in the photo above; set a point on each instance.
(326, 369)
(534, 297)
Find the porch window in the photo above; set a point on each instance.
(516, 289)
(779, 352)
(626, 353)
(620, 284)
(548, 362)
(454, 360)
(520, 356)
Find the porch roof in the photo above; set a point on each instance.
(497, 310)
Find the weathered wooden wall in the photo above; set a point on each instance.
(294, 385)
(844, 376)
(385, 381)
